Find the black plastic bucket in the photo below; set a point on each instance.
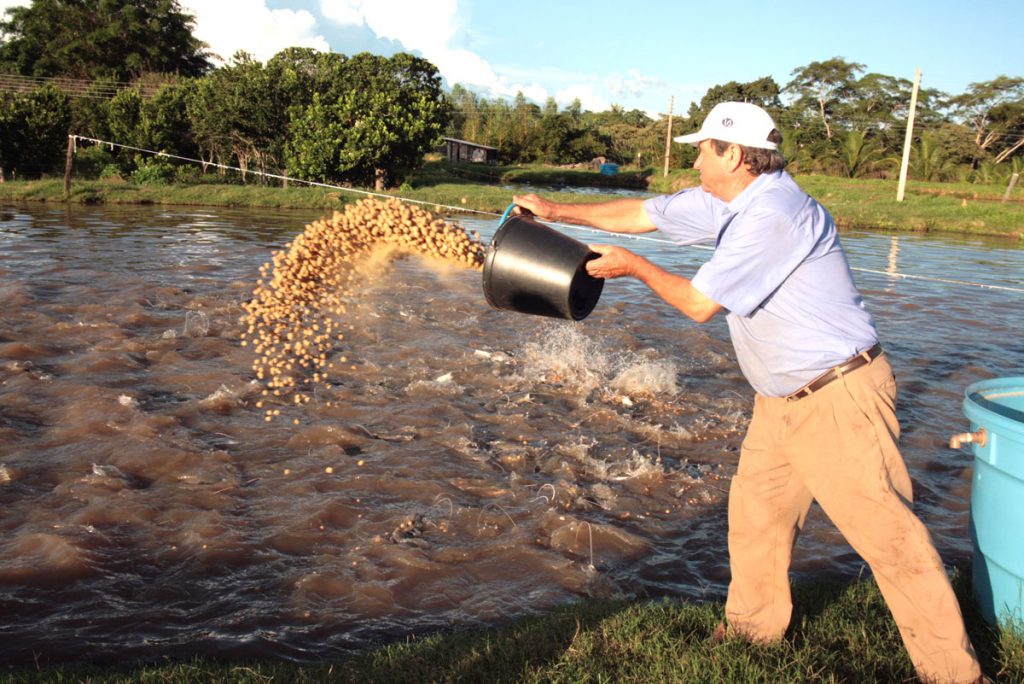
(533, 269)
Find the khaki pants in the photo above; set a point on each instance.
(838, 447)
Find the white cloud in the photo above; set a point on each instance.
(8, 4)
(586, 94)
(251, 26)
(344, 12)
(634, 84)
(229, 26)
(429, 27)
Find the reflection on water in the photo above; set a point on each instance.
(471, 465)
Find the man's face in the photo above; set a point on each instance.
(714, 173)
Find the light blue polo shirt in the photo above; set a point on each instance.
(779, 270)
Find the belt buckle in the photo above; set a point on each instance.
(804, 391)
(836, 373)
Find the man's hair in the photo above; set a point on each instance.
(758, 159)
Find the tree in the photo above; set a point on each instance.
(90, 113)
(994, 110)
(33, 131)
(1008, 120)
(375, 125)
(467, 119)
(882, 105)
(238, 114)
(158, 123)
(858, 154)
(828, 85)
(554, 130)
(113, 39)
(522, 136)
(628, 136)
(764, 92)
(125, 117)
(928, 161)
(296, 73)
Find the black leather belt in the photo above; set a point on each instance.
(851, 364)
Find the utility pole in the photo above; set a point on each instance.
(68, 159)
(1006, 197)
(668, 134)
(909, 137)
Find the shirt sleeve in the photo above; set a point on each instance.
(755, 254)
(687, 217)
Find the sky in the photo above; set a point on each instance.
(635, 53)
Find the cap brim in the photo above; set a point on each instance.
(691, 138)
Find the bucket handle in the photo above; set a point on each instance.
(508, 210)
(505, 215)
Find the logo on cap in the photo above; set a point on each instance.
(727, 122)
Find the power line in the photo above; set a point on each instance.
(74, 87)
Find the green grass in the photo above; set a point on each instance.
(855, 203)
(839, 633)
(953, 208)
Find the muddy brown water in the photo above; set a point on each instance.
(472, 466)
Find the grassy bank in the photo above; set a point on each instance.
(856, 204)
(840, 633)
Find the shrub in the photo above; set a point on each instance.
(153, 173)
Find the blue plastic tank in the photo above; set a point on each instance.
(996, 411)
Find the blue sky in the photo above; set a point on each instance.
(635, 53)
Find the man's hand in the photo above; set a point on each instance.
(538, 206)
(615, 262)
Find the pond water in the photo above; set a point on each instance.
(468, 465)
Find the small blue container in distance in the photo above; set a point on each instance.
(997, 499)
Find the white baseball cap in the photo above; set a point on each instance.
(742, 123)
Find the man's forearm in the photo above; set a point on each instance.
(617, 262)
(614, 216)
(677, 291)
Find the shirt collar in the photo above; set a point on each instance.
(760, 184)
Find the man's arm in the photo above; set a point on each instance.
(678, 291)
(614, 216)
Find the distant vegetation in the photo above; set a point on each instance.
(856, 203)
(143, 80)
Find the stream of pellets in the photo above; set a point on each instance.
(294, 320)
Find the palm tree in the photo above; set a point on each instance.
(928, 160)
(857, 154)
(797, 157)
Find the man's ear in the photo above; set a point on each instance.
(733, 157)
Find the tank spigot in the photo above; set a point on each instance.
(980, 438)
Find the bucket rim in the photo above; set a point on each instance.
(995, 384)
(980, 402)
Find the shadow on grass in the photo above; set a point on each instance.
(506, 654)
(833, 615)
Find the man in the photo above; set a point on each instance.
(824, 425)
